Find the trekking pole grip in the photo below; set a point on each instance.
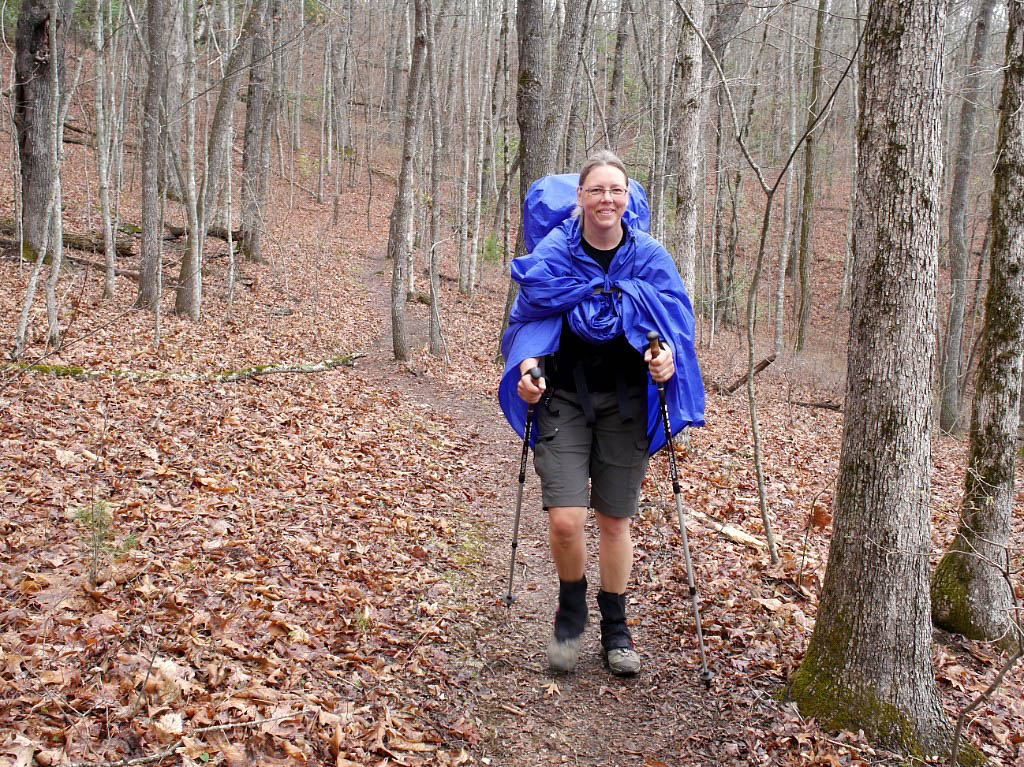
(652, 341)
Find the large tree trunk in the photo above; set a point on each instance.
(401, 212)
(959, 248)
(34, 100)
(868, 665)
(970, 591)
(157, 22)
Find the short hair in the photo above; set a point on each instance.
(596, 160)
(599, 158)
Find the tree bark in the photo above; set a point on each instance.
(34, 103)
(689, 141)
(401, 212)
(435, 341)
(256, 103)
(617, 91)
(868, 665)
(156, 83)
(787, 198)
(959, 247)
(970, 588)
(806, 252)
(188, 298)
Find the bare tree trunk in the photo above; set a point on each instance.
(257, 98)
(61, 102)
(189, 294)
(464, 171)
(615, 97)
(869, 663)
(844, 285)
(149, 266)
(34, 102)
(401, 212)
(436, 342)
(689, 141)
(971, 585)
(102, 90)
(806, 253)
(959, 248)
(174, 107)
(787, 199)
(482, 131)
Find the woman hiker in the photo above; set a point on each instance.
(590, 292)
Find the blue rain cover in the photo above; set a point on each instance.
(558, 278)
(551, 200)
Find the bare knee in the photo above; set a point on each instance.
(566, 524)
(613, 528)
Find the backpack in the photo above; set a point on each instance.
(551, 199)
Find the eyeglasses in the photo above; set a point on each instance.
(597, 192)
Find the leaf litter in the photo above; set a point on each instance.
(308, 568)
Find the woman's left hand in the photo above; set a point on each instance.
(662, 367)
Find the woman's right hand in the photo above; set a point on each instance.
(530, 390)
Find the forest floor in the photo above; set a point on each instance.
(309, 568)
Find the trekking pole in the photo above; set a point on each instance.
(705, 675)
(509, 597)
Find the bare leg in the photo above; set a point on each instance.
(568, 547)
(615, 553)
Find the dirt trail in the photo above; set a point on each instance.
(529, 716)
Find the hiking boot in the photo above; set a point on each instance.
(616, 641)
(622, 661)
(570, 621)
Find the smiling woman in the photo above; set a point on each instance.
(591, 290)
(601, 198)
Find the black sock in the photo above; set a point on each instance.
(571, 618)
(614, 631)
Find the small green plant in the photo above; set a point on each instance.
(364, 621)
(490, 252)
(97, 523)
(308, 166)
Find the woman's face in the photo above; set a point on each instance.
(603, 197)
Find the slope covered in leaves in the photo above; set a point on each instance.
(299, 568)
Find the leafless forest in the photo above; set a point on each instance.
(213, 206)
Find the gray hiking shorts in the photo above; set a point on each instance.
(611, 454)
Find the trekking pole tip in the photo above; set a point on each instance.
(509, 599)
(707, 677)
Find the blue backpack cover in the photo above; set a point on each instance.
(551, 199)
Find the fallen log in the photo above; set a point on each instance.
(214, 231)
(87, 241)
(823, 405)
(730, 532)
(725, 391)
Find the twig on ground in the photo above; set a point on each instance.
(71, 371)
